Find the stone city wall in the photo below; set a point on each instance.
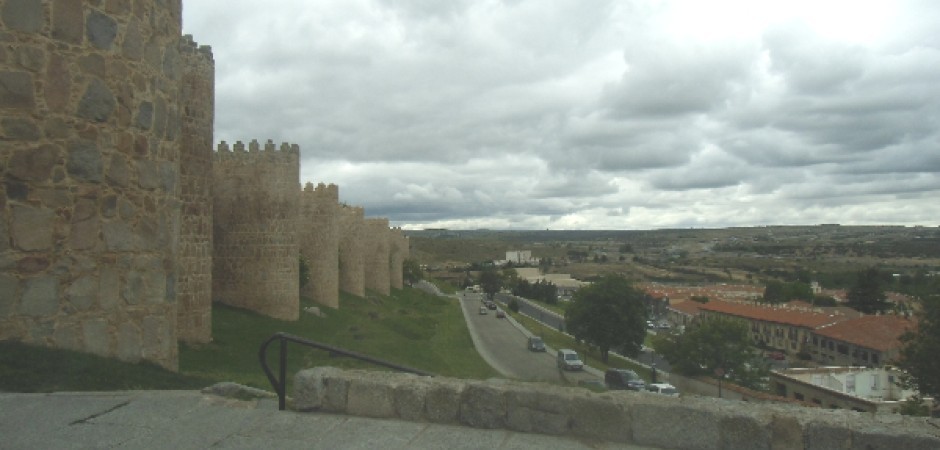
(319, 241)
(633, 418)
(351, 251)
(399, 251)
(194, 283)
(256, 253)
(376, 242)
(89, 157)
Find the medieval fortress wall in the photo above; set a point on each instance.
(119, 224)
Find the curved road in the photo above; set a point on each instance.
(504, 346)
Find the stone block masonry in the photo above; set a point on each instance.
(377, 262)
(89, 158)
(633, 418)
(399, 249)
(319, 241)
(194, 284)
(255, 217)
(118, 223)
(351, 250)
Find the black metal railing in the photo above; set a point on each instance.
(280, 383)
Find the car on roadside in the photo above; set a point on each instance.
(778, 356)
(663, 388)
(500, 314)
(535, 344)
(491, 305)
(623, 379)
(482, 310)
(568, 359)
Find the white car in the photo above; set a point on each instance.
(663, 388)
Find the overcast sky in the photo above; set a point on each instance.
(535, 114)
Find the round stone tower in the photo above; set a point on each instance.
(89, 158)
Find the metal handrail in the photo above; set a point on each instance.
(280, 384)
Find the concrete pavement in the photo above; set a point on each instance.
(191, 419)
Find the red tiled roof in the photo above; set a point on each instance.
(689, 307)
(785, 316)
(874, 332)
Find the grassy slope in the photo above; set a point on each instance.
(409, 328)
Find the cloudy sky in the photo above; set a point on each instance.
(535, 114)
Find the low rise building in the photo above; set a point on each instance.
(855, 388)
(869, 341)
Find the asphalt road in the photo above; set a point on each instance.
(504, 346)
(556, 321)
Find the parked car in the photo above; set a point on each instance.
(779, 356)
(491, 305)
(535, 344)
(623, 379)
(568, 359)
(663, 388)
(482, 310)
(500, 314)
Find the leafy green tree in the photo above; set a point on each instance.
(490, 282)
(411, 271)
(920, 349)
(866, 295)
(715, 346)
(610, 313)
(780, 292)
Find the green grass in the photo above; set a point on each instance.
(409, 328)
(590, 355)
(28, 368)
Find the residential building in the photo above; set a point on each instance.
(869, 341)
(856, 388)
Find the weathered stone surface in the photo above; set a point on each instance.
(97, 102)
(658, 425)
(745, 432)
(119, 170)
(16, 90)
(133, 42)
(119, 236)
(22, 15)
(92, 64)
(538, 410)
(34, 164)
(787, 433)
(371, 398)
(825, 435)
(145, 115)
(40, 296)
(128, 342)
(410, 398)
(84, 161)
(148, 174)
(68, 336)
(85, 234)
(16, 129)
(32, 228)
(82, 292)
(100, 29)
(58, 84)
(68, 21)
(483, 405)
(109, 288)
(95, 336)
(320, 388)
(31, 58)
(9, 293)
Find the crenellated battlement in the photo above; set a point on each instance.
(189, 46)
(288, 153)
(322, 191)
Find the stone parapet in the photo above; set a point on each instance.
(636, 418)
(319, 241)
(352, 250)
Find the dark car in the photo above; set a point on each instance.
(500, 314)
(623, 379)
(535, 344)
(491, 305)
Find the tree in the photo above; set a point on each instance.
(411, 271)
(610, 313)
(867, 295)
(920, 349)
(715, 346)
(490, 282)
(780, 292)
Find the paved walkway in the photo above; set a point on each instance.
(192, 420)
